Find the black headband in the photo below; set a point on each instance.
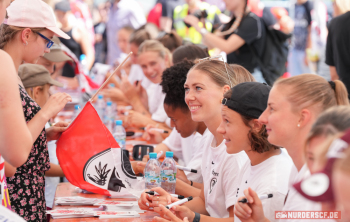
(332, 84)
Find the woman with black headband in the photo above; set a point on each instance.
(269, 167)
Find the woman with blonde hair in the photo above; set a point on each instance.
(294, 105)
(26, 37)
(205, 87)
(340, 7)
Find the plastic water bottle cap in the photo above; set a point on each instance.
(100, 96)
(169, 154)
(119, 122)
(76, 107)
(82, 57)
(153, 155)
(111, 85)
(109, 103)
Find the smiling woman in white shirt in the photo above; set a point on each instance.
(205, 86)
(294, 104)
(269, 166)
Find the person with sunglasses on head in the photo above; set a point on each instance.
(205, 85)
(25, 37)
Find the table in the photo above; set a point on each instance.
(67, 189)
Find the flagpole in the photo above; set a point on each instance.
(115, 71)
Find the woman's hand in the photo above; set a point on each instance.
(114, 94)
(152, 136)
(130, 91)
(138, 166)
(150, 202)
(252, 211)
(168, 214)
(55, 131)
(136, 119)
(192, 21)
(55, 104)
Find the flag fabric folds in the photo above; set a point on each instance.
(92, 160)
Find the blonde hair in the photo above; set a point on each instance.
(343, 5)
(216, 70)
(241, 71)
(312, 90)
(8, 33)
(155, 46)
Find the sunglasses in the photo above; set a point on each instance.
(49, 41)
(218, 57)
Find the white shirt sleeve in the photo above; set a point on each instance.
(196, 160)
(173, 142)
(232, 179)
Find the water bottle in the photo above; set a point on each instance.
(100, 106)
(152, 172)
(119, 133)
(83, 63)
(109, 116)
(168, 173)
(76, 111)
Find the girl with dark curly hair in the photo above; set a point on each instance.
(269, 167)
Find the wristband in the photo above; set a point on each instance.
(197, 217)
(203, 31)
(191, 183)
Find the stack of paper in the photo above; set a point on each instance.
(120, 205)
(71, 213)
(90, 212)
(76, 201)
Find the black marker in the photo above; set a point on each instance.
(186, 169)
(173, 195)
(261, 197)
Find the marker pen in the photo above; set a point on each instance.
(186, 169)
(173, 195)
(159, 130)
(159, 154)
(179, 202)
(155, 129)
(261, 197)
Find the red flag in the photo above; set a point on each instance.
(91, 158)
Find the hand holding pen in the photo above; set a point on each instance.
(149, 202)
(252, 210)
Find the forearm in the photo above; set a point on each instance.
(333, 72)
(197, 205)
(185, 189)
(161, 147)
(9, 170)
(37, 124)
(54, 171)
(139, 107)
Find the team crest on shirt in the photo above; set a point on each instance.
(212, 184)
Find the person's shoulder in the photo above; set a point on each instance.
(5, 61)
(251, 19)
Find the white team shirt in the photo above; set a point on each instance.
(156, 103)
(220, 172)
(136, 74)
(189, 152)
(295, 201)
(269, 177)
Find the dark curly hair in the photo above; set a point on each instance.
(173, 81)
(258, 140)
